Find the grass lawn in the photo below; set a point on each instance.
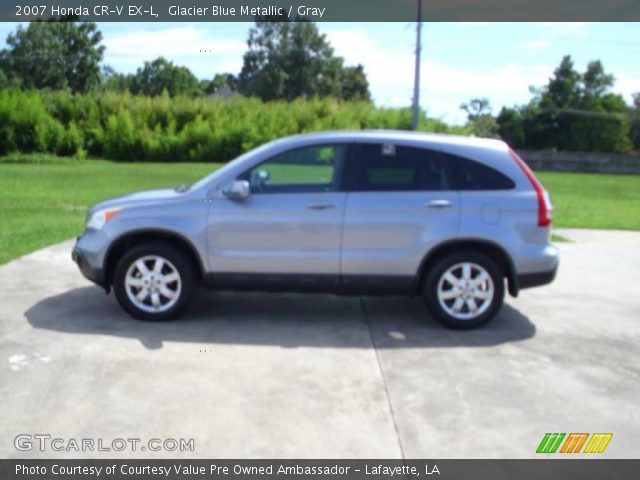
(44, 204)
(590, 200)
(41, 204)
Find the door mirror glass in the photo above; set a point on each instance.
(238, 190)
(259, 178)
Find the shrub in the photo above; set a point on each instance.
(126, 127)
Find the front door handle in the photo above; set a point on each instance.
(438, 204)
(319, 206)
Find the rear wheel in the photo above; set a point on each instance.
(464, 290)
(154, 281)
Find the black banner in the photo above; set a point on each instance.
(582, 469)
(323, 10)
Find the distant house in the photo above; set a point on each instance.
(225, 92)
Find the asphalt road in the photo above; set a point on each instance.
(282, 376)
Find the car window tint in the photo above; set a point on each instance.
(384, 167)
(472, 175)
(308, 169)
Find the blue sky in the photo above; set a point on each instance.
(460, 60)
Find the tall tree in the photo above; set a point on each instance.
(57, 54)
(354, 84)
(293, 59)
(595, 82)
(479, 118)
(160, 75)
(112, 80)
(635, 121)
(574, 111)
(510, 127)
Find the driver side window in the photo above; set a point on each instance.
(307, 169)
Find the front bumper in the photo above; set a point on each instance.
(88, 253)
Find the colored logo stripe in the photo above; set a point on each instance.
(574, 442)
(550, 443)
(598, 442)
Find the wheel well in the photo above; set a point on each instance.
(502, 259)
(124, 243)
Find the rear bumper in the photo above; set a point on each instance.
(537, 279)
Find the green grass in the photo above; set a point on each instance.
(555, 238)
(44, 200)
(44, 204)
(590, 200)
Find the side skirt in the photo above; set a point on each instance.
(341, 285)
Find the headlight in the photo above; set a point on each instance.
(101, 217)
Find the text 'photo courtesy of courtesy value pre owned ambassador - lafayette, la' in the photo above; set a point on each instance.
(454, 219)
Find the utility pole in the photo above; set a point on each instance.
(416, 84)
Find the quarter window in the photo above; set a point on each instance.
(471, 175)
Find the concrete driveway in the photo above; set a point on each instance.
(259, 375)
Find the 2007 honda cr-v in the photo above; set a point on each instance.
(451, 218)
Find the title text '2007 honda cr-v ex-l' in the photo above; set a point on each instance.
(451, 218)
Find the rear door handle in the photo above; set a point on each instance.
(320, 206)
(438, 204)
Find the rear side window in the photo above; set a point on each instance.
(392, 168)
(470, 175)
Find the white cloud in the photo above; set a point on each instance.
(444, 86)
(390, 71)
(508, 79)
(182, 45)
(628, 86)
(536, 45)
(552, 32)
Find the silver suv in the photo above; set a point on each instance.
(450, 218)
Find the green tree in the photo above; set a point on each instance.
(54, 54)
(510, 126)
(354, 84)
(479, 118)
(220, 81)
(291, 59)
(160, 75)
(635, 121)
(114, 81)
(574, 111)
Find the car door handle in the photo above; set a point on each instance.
(319, 206)
(438, 204)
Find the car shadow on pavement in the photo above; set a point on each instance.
(285, 320)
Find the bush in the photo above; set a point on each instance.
(125, 127)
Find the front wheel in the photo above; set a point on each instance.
(464, 290)
(154, 281)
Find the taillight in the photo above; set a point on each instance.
(545, 209)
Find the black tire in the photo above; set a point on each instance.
(436, 274)
(178, 261)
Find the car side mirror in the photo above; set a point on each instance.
(238, 190)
